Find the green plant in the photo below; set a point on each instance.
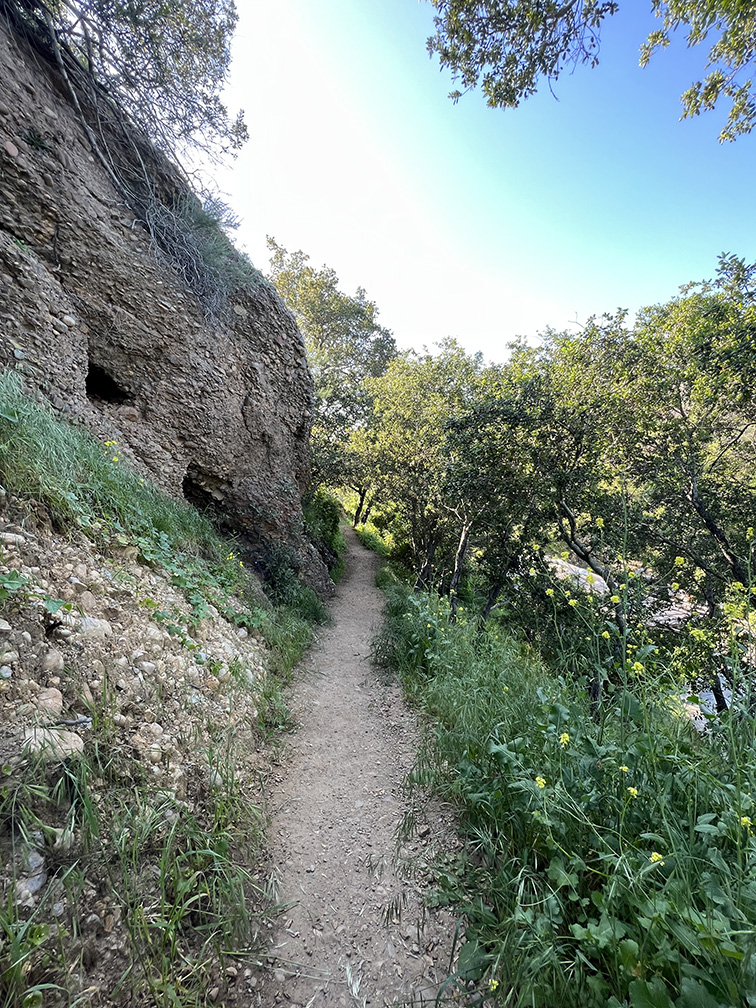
(322, 515)
(608, 860)
(371, 538)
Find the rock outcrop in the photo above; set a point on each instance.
(106, 331)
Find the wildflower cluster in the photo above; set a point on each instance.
(112, 451)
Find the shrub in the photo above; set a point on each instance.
(608, 860)
(322, 514)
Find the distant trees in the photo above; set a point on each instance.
(508, 46)
(346, 346)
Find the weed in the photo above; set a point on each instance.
(608, 859)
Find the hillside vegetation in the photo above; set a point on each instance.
(141, 669)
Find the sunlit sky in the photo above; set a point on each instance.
(465, 221)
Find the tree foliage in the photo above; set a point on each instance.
(625, 450)
(345, 346)
(508, 46)
(163, 64)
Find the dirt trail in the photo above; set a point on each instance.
(335, 814)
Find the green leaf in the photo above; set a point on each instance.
(472, 961)
(649, 994)
(695, 995)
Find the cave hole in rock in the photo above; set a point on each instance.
(104, 388)
(196, 493)
(206, 492)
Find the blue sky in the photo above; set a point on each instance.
(470, 222)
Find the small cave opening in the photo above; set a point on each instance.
(206, 492)
(197, 495)
(104, 388)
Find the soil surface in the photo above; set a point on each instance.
(355, 931)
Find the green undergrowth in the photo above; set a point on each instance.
(174, 877)
(609, 855)
(323, 514)
(373, 539)
(84, 485)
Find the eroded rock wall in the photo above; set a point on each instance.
(91, 319)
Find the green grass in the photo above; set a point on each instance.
(178, 871)
(178, 876)
(372, 539)
(82, 482)
(609, 860)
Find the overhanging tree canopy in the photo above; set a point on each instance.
(508, 46)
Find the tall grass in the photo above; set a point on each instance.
(609, 860)
(83, 481)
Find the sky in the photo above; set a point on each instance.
(459, 220)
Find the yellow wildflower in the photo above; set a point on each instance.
(746, 821)
(638, 667)
(624, 768)
(599, 523)
(606, 635)
(541, 782)
(633, 792)
(590, 578)
(493, 984)
(550, 592)
(615, 599)
(679, 561)
(573, 602)
(675, 586)
(656, 858)
(564, 738)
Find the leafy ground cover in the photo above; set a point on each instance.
(609, 856)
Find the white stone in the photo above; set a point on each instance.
(50, 701)
(53, 661)
(52, 744)
(95, 629)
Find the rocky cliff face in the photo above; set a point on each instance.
(108, 334)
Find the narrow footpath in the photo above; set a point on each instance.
(354, 931)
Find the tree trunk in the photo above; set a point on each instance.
(360, 505)
(459, 560)
(422, 582)
(714, 681)
(494, 591)
(733, 562)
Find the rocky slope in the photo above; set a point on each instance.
(101, 326)
(129, 756)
